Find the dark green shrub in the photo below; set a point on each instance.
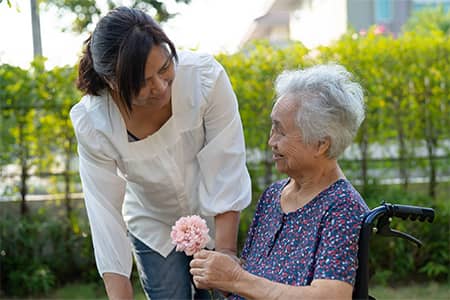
(394, 260)
(41, 251)
(33, 280)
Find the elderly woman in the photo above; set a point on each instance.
(303, 241)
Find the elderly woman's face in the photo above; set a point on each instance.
(290, 154)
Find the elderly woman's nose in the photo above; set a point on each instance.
(271, 141)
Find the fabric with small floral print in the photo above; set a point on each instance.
(317, 241)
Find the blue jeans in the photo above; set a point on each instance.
(165, 278)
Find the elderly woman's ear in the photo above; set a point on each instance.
(322, 146)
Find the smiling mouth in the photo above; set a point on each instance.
(276, 156)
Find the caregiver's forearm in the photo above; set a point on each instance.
(227, 226)
(118, 287)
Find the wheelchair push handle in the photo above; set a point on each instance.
(387, 211)
(414, 213)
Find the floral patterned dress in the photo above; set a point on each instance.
(317, 241)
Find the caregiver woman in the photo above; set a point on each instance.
(159, 137)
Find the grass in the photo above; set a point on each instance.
(425, 291)
(428, 291)
(88, 291)
(80, 291)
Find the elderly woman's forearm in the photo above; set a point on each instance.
(254, 287)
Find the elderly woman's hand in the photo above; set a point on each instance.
(215, 270)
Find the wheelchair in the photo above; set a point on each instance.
(378, 221)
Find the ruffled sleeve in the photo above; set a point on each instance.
(104, 192)
(225, 184)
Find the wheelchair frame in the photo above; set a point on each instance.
(384, 214)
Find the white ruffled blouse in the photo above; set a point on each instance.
(194, 164)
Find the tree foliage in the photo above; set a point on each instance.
(36, 131)
(86, 12)
(428, 20)
(7, 2)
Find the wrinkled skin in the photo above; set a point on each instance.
(216, 270)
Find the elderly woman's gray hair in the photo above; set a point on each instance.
(331, 104)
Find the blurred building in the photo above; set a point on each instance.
(319, 22)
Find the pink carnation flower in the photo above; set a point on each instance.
(190, 234)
